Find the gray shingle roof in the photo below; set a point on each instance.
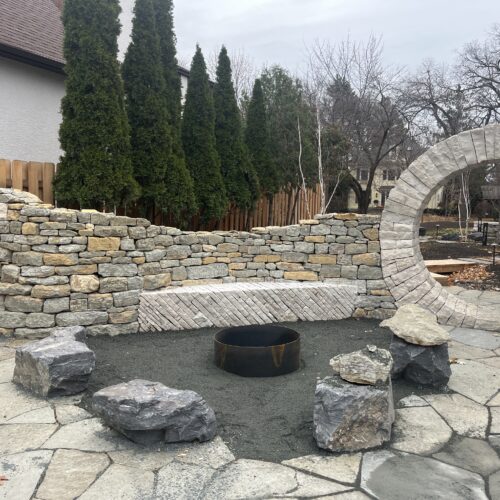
(33, 27)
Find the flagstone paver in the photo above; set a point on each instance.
(419, 430)
(463, 415)
(23, 471)
(53, 449)
(471, 454)
(394, 476)
(70, 473)
(343, 468)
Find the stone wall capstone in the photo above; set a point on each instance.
(61, 267)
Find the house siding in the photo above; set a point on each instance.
(30, 101)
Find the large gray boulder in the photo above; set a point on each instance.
(429, 366)
(417, 326)
(148, 412)
(54, 366)
(350, 417)
(370, 365)
(77, 333)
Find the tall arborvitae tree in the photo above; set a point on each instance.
(198, 139)
(239, 175)
(95, 169)
(150, 132)
(179, 197)
(257, 141)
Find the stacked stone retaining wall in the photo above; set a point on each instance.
(62, 267)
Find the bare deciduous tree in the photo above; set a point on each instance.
(360, 97)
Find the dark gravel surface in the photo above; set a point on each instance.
(432, 250)
(259, 418)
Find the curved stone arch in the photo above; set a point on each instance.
(403, 266)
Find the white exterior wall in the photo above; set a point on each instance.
(30, 101)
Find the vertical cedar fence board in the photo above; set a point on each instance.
(287, 206)
(32, 176)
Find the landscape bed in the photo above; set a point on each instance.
(258, 418)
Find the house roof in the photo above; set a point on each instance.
(32, 31)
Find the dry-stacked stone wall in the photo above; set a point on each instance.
(62, 267)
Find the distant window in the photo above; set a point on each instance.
(362, 174)
(389, 175)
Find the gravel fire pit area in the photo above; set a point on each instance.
(259, 418)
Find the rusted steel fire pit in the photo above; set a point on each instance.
(257, 351)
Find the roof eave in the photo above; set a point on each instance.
(31, 59)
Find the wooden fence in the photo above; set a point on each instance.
(287, 207)
(32, 176)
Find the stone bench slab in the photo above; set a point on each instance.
(239, 304)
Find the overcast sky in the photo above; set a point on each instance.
(277, 31)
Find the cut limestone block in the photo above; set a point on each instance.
(54, 367)
(350, 417)
(148, 412)
(419, 364)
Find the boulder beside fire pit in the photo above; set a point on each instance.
(419, 347)
(149, 412)
(355, 410)
(59, 365)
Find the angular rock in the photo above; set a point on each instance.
(351, 417)
(370, 365)
(54, 367)
(416, 325)
(149, 412)
(428, 366)
(77, 333)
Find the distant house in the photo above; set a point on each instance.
(32, 79)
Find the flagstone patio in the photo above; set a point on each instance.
(444, 446)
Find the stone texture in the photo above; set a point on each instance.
(84, 283)
(76, 333)
(370, 365)
(417, 326)
(68, 414)
(70, 473)
(178, 481)
(121, 482)
(87, 435)
(471, 454)
(464, 416)
(39, 416)
(255, 479)
(419, 430)
(18, 438)
(421, 365)
(394, 476)
(149, 412)
(343, 468)
(351, 417)
(22, 472)
(54, 366)
(16, 401)
(474, 380)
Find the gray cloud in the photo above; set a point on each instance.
(277, 31)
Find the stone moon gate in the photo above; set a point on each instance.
(402, 263)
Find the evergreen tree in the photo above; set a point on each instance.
(257, 142)
(239, 175)
(179, 196)
(95, 169)
(150, 132)
(198, 139)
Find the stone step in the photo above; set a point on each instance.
(440, 278)
(239, 304)
(447, 266)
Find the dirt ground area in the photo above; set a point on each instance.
(259, 418)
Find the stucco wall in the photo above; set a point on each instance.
(30, 109)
